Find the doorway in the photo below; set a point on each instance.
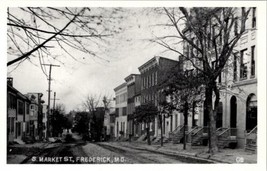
(251, 114)
(233, 113)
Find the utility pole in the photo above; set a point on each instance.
(49, 128)
(54, 103)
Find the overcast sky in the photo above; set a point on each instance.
(72, 82)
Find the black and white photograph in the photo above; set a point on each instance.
(174, 84)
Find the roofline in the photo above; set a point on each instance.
(19, 93)
(120, 86)
(147, 62)
(159, 58)
(126, 78)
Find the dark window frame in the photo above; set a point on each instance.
(253, 65)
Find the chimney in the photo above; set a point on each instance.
(10, 81)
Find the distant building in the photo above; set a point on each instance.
(96, 124)
(36, 115)
(121, 111)
(109, 121)
(44, 121)
(133, 82)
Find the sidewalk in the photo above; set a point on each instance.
(230, 156)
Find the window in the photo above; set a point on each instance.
(19, 129)
(117, 111)
(252, 61)
(12, 101)
(21, 108)
(235, 67)
(27, 108)
(156, 78)
(143, 82)
(253, 17)
(12, 124)
(243, 64)
(8, 125)
(149, 81)
(124, 111)
(152, 79)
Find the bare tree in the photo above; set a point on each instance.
(91, 102)
(33, 32)
(106, 101)
(209, 36)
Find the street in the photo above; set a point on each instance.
(98, 153)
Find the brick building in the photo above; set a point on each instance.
(153, 73)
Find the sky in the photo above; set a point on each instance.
(74, 81)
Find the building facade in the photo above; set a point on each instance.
(17, 114)
(239, 97)
(237, 83)
(153, 73)
(36, 116)
(121, 111)
(133, 82)
(109, 123)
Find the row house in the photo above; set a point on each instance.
(237, 111)
(22, 115)
(17, 113)
(133, 82)
(36, 117)
(121, 111)
(153, 73)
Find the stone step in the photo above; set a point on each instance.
(252, 149)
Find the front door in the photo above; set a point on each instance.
(251, 118)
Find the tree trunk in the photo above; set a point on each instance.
(185, 124)
(212, 122)
(161, 131)
(148, 134)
